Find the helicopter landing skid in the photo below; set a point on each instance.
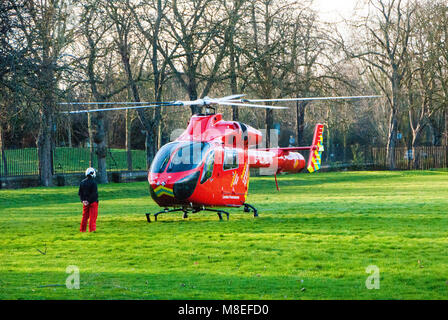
(148, 218)
(185, 215)
(248, 207)
(219, 212)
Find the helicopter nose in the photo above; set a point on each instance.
(184, 188)
(160, 187)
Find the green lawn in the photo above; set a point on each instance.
(313, 240)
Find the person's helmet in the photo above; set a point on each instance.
(91, 171)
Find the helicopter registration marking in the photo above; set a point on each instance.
(161, 190)
(231, 197)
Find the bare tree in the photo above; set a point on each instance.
(385, 52)
(308, 49)
(47, 32)
(234, 12)
(438, 35)
(94, 28)
(421, 79)
(9, 58)
(261, 51)
(198, 28)
(148, 18)
(271, 49)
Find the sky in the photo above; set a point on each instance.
(333, 10)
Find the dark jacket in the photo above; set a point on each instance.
(88, 190)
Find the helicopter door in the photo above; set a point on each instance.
(232, 167)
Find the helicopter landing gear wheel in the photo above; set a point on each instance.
(248, 208)
(185, 215)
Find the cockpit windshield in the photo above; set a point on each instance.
(188, 156)
(163, 157)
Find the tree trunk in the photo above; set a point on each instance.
(328, 144)
(445, 140)
(128, 140)
(91, 150)
(392, 140)
(97, 129)
(269, 125)
(149, 145)
(415, 158)
(69, 132)
(99, 138)
(44, 149)
(193, 94)
(393, 122)
(436, 132)
(47, 88)
(158, 87)
(235, 113)
(301, 122)
(416, 131)
(147, 124)
(155, 132)
(159, 136)
(2, 149)
(233, 76)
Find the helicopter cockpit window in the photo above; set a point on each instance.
(230, 159)
(208, 167)
(189, 156)
(162, 158)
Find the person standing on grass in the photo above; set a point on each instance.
(88, 193)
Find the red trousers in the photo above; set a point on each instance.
(89, 212)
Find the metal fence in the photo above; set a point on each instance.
(419, 158)
(24, 162)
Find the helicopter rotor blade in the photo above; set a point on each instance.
(121, 108)
(227, 98)
(229, 103)
(208, 101)
(308, 99)
(115, 103)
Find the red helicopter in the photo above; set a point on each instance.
(207, 167)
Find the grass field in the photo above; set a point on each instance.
(313, 240)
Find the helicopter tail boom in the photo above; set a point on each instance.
(287, 159)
